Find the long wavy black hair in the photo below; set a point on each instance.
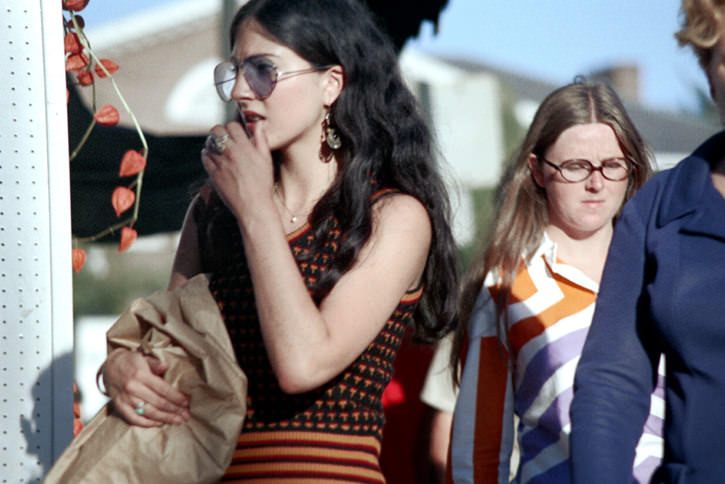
(385, 141)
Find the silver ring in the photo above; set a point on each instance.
(139, 408)
(215, 143)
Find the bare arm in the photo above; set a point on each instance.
(187, 261)
(440, 438)
(132, 378)
(308, 345)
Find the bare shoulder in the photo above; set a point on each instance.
(402, 232)
(401, 211)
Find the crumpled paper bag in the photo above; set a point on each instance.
(185, 329)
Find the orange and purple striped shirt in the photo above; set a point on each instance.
(551, 309)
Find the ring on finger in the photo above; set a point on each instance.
(140, 408)
(215, 143)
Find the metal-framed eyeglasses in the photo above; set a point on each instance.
(578, 170)
(261, 76)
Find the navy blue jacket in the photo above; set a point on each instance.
(663, 291)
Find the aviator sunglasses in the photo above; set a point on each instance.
(258, 71)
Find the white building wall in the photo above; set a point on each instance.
(36, 321)
(465, 111)
(467, 120)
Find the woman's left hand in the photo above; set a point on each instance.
(242, 169)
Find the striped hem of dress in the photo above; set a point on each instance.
(293, 456)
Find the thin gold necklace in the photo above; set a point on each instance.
(293, 217)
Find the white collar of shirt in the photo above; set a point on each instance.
(548, 250)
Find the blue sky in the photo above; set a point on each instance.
(551, 39)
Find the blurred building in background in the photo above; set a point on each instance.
(478, 112)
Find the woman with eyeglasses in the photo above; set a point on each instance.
(662, 294)
(326, 233)
(528, 300)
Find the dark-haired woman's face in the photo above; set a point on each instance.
(294, 110)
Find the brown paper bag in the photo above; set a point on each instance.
(184, 328)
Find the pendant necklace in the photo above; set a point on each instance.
(292, 216)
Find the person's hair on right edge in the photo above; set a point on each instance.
(520, 204)
(700, 27)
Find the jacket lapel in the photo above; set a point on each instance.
(690, 192)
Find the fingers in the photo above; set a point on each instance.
(260, 139)
(148, 411)
(238, 137)
(136, 413)
(161, 401)
(172, 399)
(236, 131)
(139, 393)
(157, 366)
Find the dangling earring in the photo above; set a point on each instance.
(331, 137)
(329, 140)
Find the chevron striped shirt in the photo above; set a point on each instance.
(548, 321)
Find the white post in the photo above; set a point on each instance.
(36, 296)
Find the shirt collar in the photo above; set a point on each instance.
(547, 250)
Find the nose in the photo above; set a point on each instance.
(595, 182)
(241, 89)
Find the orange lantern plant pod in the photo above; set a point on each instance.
(85, 78)
(79, 20)
(131, 163)
(122, 199)
(79, 259)
(71, 43)
(128, 236)
(87, 68)
(76, 62)
(107, 116)
(110, 66)
(75, 5)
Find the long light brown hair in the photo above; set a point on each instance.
(521, 211)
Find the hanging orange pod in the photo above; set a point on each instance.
(107, 116)
(85, 78)
(128, 236)
(76, 62)
(71, 44)
(79, 259)
(110, 66)
(122, 199)
(75, 5)
(131, 163)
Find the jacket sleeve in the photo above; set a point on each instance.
(617, 370)
(483, 428)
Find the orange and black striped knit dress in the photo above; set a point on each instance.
(329, 435)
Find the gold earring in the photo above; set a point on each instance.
(331, 137)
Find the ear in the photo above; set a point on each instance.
(535, 168)
(333, 82)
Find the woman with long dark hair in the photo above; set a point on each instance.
(325, 228)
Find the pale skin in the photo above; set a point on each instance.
(307, 345)
(441, 423)
(581, 214)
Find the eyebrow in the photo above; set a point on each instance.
(262, 54)
(608, 158)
